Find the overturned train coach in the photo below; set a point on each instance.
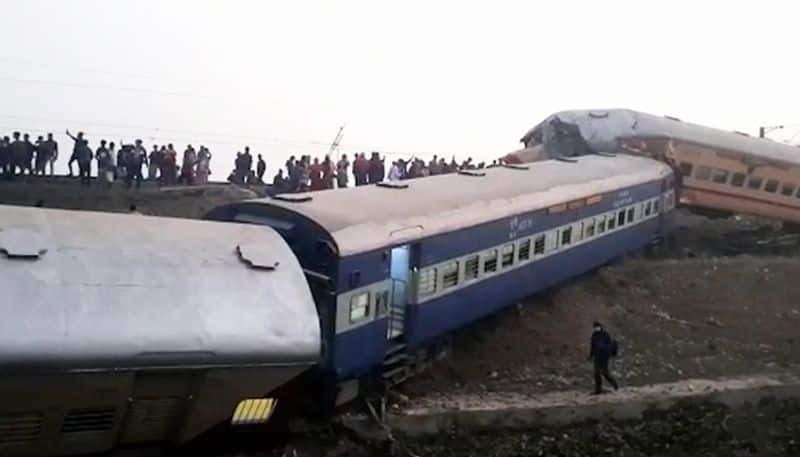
(395, 267)
(127, 330)
(720, 171)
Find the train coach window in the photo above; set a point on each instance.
(589, 228)
(490, 261)
(771, 186)
(719, 176)
(601, 224)
(471, 268)
(538, 245)
(524, 251)
(450, 275)
(737, 180)
(703, 173)
(754, 182)
(686, 168)
(566, 236)
(359, 307)
(621, 218)
(382, 303)
(648, 208)
(630, 215)
(788, 189)
(508, 255)
(612, 222)
(427, 282)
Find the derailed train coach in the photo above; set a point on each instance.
(127, 330)
(395, 267)
(722, 171)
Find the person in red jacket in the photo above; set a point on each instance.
(360, 169)
(315, 175)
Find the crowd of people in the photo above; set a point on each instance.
(127, 163)
(19, 156)
(305, 174)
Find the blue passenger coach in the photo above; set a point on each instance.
(394, 267)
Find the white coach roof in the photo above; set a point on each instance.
(86, 290)
(364, 218)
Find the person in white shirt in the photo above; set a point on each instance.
(396, 173)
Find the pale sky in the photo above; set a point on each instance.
(410, 77)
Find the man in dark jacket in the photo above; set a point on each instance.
(602, 349)
(261, 168)
(84, 156)
(76, 149)
(16, 155)
(4, 156)
(30, 153)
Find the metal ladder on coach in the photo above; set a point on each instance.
(396, 362)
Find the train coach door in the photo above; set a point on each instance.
(398, 272)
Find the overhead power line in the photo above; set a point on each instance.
(92, 86)
(196, 137)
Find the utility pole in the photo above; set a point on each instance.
(762, 131)
(335, 144)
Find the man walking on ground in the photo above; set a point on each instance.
(601, 351)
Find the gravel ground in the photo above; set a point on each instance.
(771, 428)
(674, 319)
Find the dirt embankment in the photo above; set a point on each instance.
(66, 193)
(674, 319)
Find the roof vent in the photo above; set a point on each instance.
(515, 166)
(393, 185)
(475, 173)
(566, 159)
(598, 114)
(257, 256)
(22, 244)
(293, 198)
(606, 154)
(672, 118)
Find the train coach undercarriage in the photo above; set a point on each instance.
(79, 413)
